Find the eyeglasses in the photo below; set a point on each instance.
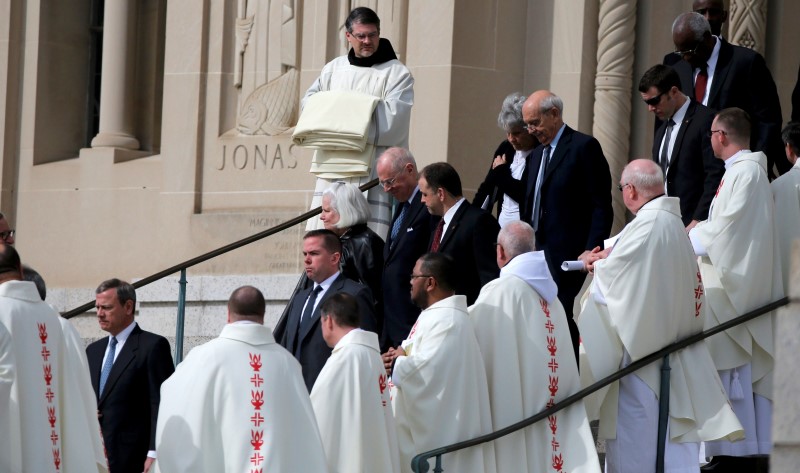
(688, 52)
(710, 133)
(653, 101)
(8, 234)
(415, 276)
(622, 186)
(363, 36)
(390, 182)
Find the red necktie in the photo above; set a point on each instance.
(437, 236)
(700, 84)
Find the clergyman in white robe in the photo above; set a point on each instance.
(645, 296)
(353, 409)
(237, 404)
(43, 418)
(439, 391)
(786, 193)
(741, 271)
(530, 365)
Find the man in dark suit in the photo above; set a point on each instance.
(300, 331)
(720, 75)
(407, 240)
(127, 369)
(466, 233)
(568, 197)
(682, 146)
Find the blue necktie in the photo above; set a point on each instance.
(107, 365)
(537, 197)
(398, 222)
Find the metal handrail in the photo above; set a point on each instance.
(219, 251)
(420, 462)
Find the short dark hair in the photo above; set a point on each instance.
(343, 308)
(330, 241)
(661, 77)
(125, 291)
(791, 136)
(441, 267)
(442, 176)
(30, 274)
(736, 122)
(9, 259)
(364, 16)
(247, 301)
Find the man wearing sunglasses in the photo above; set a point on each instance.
(681, 145)
(720, 75)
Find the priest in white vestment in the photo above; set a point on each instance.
(530, 364)
(439, 390)
(47, 423)
(786, 193)
(238, 403)
(371, 67)
(741, 270)
(646, 294)
(351, 395)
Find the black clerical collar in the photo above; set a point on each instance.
(384, 53)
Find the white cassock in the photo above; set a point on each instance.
(530, 365)
(741, 272)
(393, 84)
(237, 404)
(44, 407)
(352, 405)
(439, 391)
(786, 193)
(646, 295)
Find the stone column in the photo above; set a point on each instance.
(613, 88)
(786, 415)
(748, 24)
(116, 87)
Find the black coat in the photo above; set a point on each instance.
(400, 256)
(694, 173)
(128, 408)
(495, 188)
(742, 79)
(362, 259)
(470, 240)
(305, 342)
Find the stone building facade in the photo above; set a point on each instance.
(135, 134)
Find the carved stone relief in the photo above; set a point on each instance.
(748, 23)
(265, 69)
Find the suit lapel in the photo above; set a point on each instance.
(414, 208)
(95, 365)
(558, 155)
(720, 71)
(307, 326)
(452, 227)
(125, 357)
(293, 324)
(676, 148)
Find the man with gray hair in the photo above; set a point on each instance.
(505, 182)
(646, 294)
(525, 341)
(6, 232)
(406, 241)
(720, 75)
(568, 194)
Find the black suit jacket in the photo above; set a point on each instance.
(575, 206)
(128, 408)
(496, 183)
(399, 313)
(694, 173)
(305, 340)
(469, 240)
(742, 79)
